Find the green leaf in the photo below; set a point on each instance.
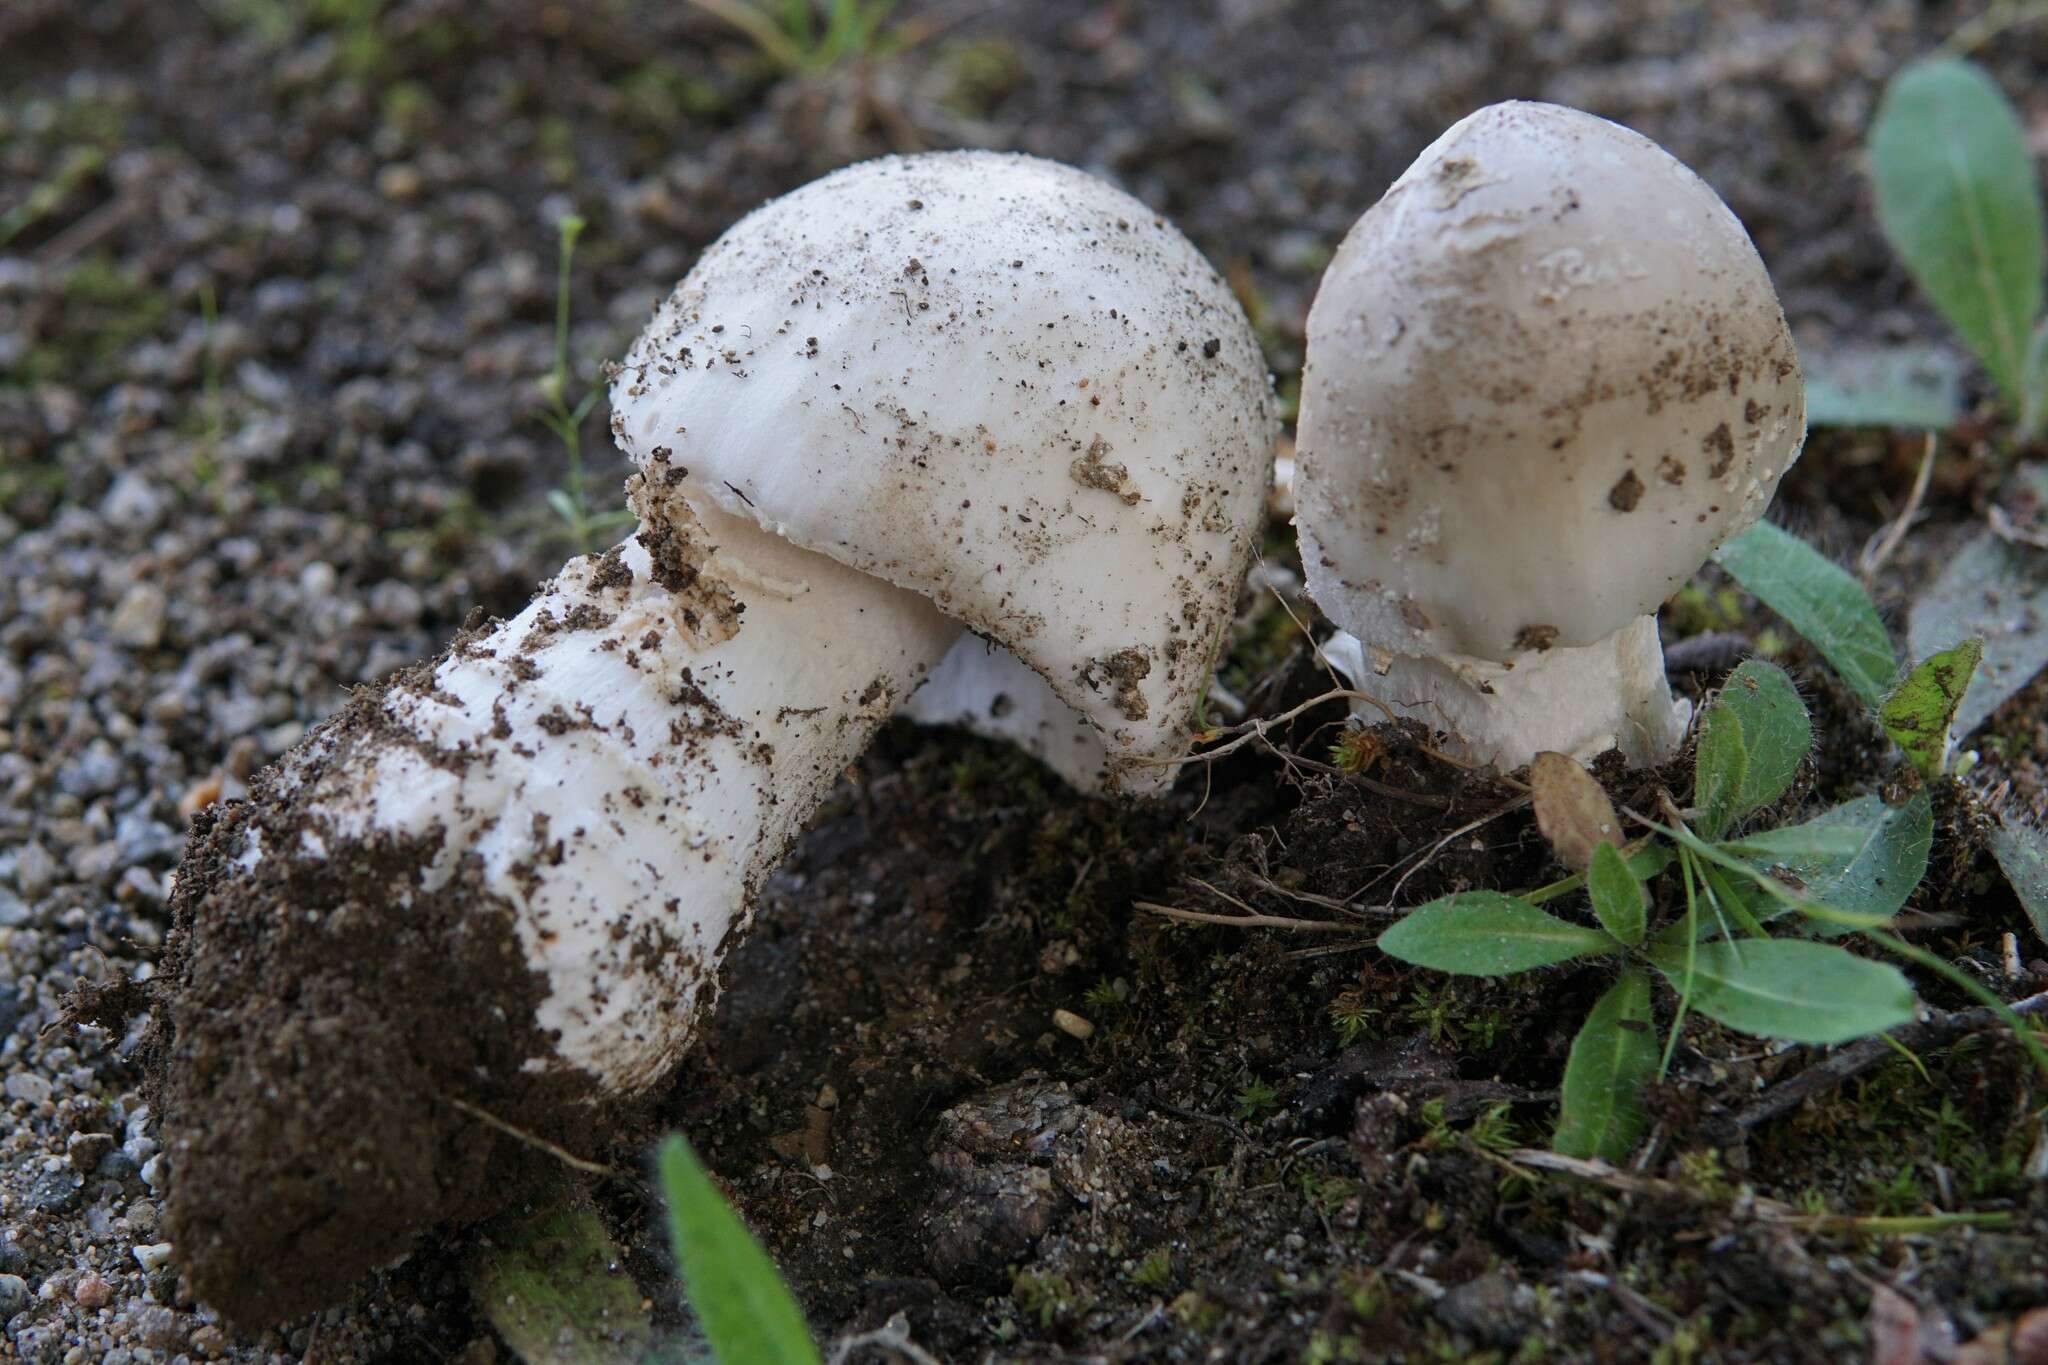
(1616, 894)
(1958, 198)
(564, 505)
(1753, 737)
(746, 1311)
(1721, 764)
(1794, 989)
(1921, 713)
(1600, 1105)
(1998, 591)
(1914, 387)
(1484, 933)
(551, 1281)
(1862, 856)
(1819, 599)
(2022, 853)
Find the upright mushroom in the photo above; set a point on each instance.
(1547, 374)
(969, 412)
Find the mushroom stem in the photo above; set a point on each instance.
(508, 881)
(1581, 701)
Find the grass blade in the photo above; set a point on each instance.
(746, 1311)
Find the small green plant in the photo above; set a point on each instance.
(1255, 1100)
(570, 502)
(1155, 1272)
(809, 37)
(747, 1312)
(1747, 945)
(1960, 202)
(78, 165)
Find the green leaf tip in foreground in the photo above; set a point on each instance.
(1616, 895)
(1600, 1105)
(551, 1281)
(2022, 853)
(1792, 989)
(747, 1312)
(1753, 737)
(1921, 712)
(1819, 599)
(1485, 933)
(1958, 198)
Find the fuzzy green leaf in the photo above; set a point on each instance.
(1920, 714)
(2022, 853)
(1600, 1105)
(1817, 598)
(1794, 989)
(1998, 591)
(745, 1309)
(1616, 894)
(1753, 736)
(551, 1282)
(1484, 933)
(1862, 856)
(1918, 388)
(1958, 197)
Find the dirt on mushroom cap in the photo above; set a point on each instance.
(1547, 374)
(991, 379)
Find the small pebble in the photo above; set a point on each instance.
(93, 1293)
(86, 1150)
(13, 1295)
(1072, 1024)
(138, 618)
(153, 1256)
(28, 1087)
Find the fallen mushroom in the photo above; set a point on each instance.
(1547, 374)
(966, 412)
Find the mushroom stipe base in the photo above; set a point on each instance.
(321, 1045)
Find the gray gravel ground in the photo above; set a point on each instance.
(210, 530)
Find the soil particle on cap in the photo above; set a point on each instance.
(1121, 672)
(1536, 637)
(1719, 445)
(1093, 470)
(1627, 491)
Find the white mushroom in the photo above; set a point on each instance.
(969, 412)
(1547, 374)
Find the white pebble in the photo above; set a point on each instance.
(153, 1257)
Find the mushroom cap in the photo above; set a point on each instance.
(1547, 375)
(994, 380)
